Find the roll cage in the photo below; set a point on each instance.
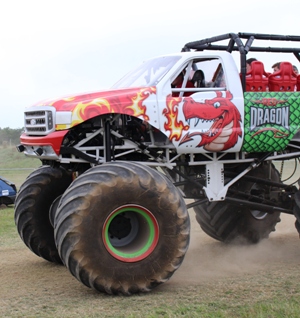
(235, 43)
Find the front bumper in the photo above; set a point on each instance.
(42, 147)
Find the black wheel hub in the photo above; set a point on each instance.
(120, 227)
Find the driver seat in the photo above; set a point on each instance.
(199, 79)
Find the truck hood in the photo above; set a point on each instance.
(79, 108)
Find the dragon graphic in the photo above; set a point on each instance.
(225, 121)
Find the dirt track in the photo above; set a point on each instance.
(206, 258)
(28, 281)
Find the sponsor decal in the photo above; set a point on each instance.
(271, 120)
(274, 116)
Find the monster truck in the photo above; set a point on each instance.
(117, 166)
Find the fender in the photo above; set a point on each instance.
(139, 102)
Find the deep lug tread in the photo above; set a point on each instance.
(107, 187)
(228, 223)
(32, 206)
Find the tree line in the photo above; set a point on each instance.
(10, 137)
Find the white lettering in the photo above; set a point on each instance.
(260, 115)
(266, 116)
(253, 118)
(285, 117)
(263, 116)
(272, 116)
(278, 116)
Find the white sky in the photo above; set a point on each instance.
(60, 47)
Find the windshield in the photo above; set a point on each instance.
(149, 73)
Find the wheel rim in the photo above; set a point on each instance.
(130, 233)
(256, 190)
(259, 215)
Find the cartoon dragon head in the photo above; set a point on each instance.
(225, 122)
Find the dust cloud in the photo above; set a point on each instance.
(208, 259)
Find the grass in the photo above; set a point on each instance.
(15, 166)
(11, 158)
(32, 287)
(8, 231)
(7, 227)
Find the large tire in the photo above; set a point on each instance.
(234, 224)
(32, 208)
(122, 228)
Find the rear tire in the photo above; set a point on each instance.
(122, 228)
(234, 224)
(32, 208)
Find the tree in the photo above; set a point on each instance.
(9, 136)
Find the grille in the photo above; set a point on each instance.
(39, 121)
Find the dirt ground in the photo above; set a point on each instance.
(28, 281)
(208, 259)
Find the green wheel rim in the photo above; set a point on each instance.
(130, 233)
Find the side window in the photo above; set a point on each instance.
(182, 85)
(213, 73)
(219, 77)
(197, 75)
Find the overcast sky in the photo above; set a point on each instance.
(60, 47)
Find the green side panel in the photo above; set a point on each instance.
(271, 120)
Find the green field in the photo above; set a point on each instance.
(15, 166)
(32, 287)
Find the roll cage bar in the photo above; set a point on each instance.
(236, 44)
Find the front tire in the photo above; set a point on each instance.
(122, 228)
(32, 209)
(230, 223)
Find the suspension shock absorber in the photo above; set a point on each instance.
(107, 140)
